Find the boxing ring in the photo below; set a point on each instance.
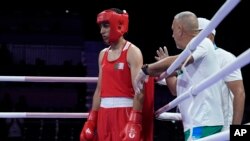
(240, 62)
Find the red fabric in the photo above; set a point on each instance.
(132, 132)
(136, 116)
(133, 129)
(111, 121)
(116, 76)
(115, 119)
(148, 110)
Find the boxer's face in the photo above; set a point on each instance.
(105, 30)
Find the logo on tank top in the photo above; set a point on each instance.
(119, 66)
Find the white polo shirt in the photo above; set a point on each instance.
(206, 109)
(224, 58)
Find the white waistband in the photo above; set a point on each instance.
(116, 102)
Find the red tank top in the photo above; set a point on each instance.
(116, 76)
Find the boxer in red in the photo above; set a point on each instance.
(116, 113)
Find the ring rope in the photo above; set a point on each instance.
(42, 115)
(163, 116)
(239, 62)
(48, 79)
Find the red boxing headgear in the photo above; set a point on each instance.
(118, 23)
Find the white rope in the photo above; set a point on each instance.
(42, 115)
(169, 116)
(48, 79)
(163, 116)
(239, 62)
(225, 9)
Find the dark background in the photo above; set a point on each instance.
(47, 23)
(149, 28)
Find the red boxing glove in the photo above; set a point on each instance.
(133, 129)
(88, 130)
